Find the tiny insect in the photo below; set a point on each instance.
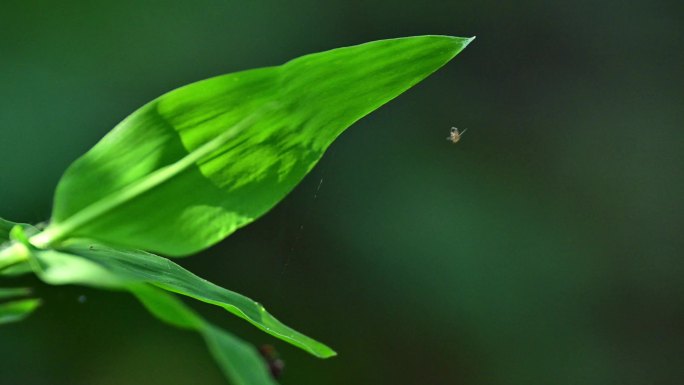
(275, 364)
(455, 135)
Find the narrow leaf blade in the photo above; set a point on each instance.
(13, 258)
(102, 266)
(15, 311)
(9, 292)
(239, 361)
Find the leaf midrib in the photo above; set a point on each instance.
(59, 231)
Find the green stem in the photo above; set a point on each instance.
(16, 253)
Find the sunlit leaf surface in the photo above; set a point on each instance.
(12, 263)
(192, 166)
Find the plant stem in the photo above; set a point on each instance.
(16, 253)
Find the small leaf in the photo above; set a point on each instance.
(239, 361)
(17, 269)
(14, 292)
(5, 227)
(16, 311)
(192, 166)
(101, 266)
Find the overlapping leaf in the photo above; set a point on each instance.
(12, 258)
(102, 266)
(5, 227)
(17, 309)
(192, 166)
(239, 361)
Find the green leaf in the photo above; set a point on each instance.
(5, 227)
(101, 266)
(14, 292)
(16, 310)
(192, 166)
(17, 269)
(239, 361)
(13, 247)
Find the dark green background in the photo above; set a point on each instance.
(545, 248)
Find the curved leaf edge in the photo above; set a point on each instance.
(239, 361)
(96, 265)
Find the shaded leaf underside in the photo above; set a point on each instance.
(101, 266)
(239, 361)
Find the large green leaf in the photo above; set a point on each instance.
(192, 166)
(239, 361)
(101, 266)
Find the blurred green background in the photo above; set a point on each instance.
(544, 248)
